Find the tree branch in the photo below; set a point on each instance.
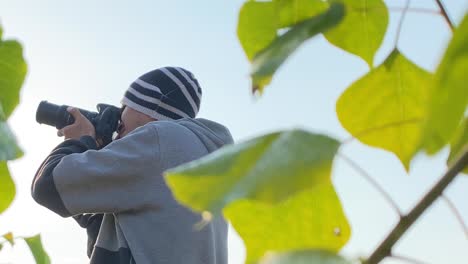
(445, 15)
(385, 248)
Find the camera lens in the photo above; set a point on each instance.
(53, 115)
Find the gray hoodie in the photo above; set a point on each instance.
(123, 182)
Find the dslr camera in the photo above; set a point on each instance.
(105, 121)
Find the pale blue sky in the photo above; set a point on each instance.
(85, 52)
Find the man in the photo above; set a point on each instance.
(122, 185)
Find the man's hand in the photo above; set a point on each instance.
(81, 127)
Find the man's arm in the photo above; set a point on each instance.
(44, 191)
(76, 179)
(43, 188)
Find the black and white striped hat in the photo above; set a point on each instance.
(167, 93)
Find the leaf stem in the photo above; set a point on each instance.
(374, 183)
(385, 248)
(402, 18)
(457, 214)
(445, 15)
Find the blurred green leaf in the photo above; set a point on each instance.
(304, 257)
(291, 12)
(311, 219)
(276, 191)
(35, 245)
(363, 28)
(268, 168)
(459, 141)
(259, 22)
(7, 187)
(386, 107)
(9, 237)
(12, 74)
(449, 95)
(267, 61)
(257, 26)
(1, 247)
(8, 147)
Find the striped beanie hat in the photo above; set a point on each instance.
(167, 93)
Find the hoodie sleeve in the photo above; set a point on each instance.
(114, 179)
(43, 189)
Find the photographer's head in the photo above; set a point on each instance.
(167, 93)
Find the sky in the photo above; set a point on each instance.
(87, 52)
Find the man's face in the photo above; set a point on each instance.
(131, 119)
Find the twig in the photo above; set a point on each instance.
(445, 15)
(407, 259)
(456, 213)
(414, 10)
(402, 18)
(385, 248)
(369, 179)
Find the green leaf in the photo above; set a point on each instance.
(304, 257)
(8, 147)
(291, 12)
(267, 61)
(265, 185)
(7, 187)
(9, 237)
(257, 26)
(311, 219)
(268, 169)
(385, 108)
(37, 249)
(362, 30)
(12, 74)
(459, 141)
(259, 21)
(449, 96)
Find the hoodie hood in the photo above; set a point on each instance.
(212, 134)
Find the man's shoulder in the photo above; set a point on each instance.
(166, 128)
(163, 125)
(209, 132)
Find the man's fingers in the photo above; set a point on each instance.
(75, 113)
(68, 129)
(82, 126)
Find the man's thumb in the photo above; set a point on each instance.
(74, 112)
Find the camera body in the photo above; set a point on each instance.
(105, 121)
